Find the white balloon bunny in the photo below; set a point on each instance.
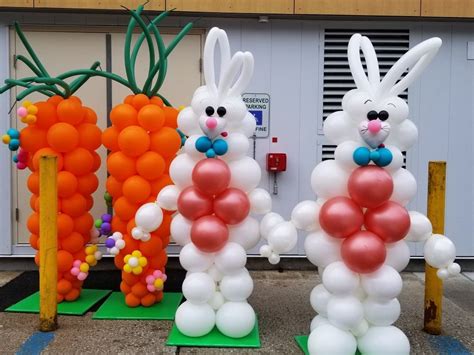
(214, 191)
(358, 223)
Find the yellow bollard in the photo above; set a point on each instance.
(48, 247)
(433, 285)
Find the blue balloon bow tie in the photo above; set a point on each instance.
(381, 156)
(212, 148)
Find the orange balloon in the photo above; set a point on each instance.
(72, 295)
(166, 141)
(33, 199)
(83, 223)
(123, 115)
(63, 137)
(33, 139)
(79, 162)
(125, 288)
(89, 202)
(121, 166)
(37, 258)
(131, 300)
(151, 117)
(171, 117)
(65, 260)
(119, 263)
(55, 100)
(159, 261)
(74, 206)
(73, 243)
(75, 98)
(130, 279)
(148, 300)
(128, 99)
(91, 116)
(158, 184)
(136, 189)
(33, 183)
(150, 165)
(130, 245)
(140, 100)
(133, 141)
(87, 184)
(164, 229)
(65, 225)
(46, 115)
(90, 136)
(33, 223)
(48, 151)
(152, 247)
(67, 184)
(71, 111)
(80, 255)
(113, 187)
(34, 241)
(118, 225)
(159, 296)
(97, 161)
(110, 138)
(64, 286)
(139, 290)
(125, 209)
(156, 100)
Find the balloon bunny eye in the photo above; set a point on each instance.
(221, 111)
(209, 110)
(372, 115)
(383, 115)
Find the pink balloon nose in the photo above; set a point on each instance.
(211, 123)
(374, 126)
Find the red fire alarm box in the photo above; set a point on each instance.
(276, 162)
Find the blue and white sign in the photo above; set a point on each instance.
(259, 106)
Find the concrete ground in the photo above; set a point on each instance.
(281, 301)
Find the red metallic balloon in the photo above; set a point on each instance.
(232, 206)
(211, 176)
(193, 204)
(340, 217)
(390, 221)
(363, 252)
(370, 186)
(209, 234)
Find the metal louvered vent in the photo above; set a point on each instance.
(389, 45)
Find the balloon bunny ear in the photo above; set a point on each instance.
(356, 44)
(215, 37)
(417, 58)
(237, 76)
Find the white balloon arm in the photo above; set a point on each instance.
(282, 238)
(305, 215)
(440, 253)
(167, 198)
(148, 219)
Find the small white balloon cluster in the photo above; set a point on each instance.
(280, 235)
(148, 218)
(115, 243)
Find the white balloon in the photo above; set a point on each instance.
(168, 198)
(319, 299)
(397, 158)
(246, 233)
(305, 215)
(190, 147)
(181, 169)
(317, 321)
(245, 174)
(328, 339)
(237, 287)
(339, 128)
(260, 201)
(404, 186)
(360, 293)
(339, 279)
(440, 251)
(283, 237)
(231, 258)
(344, 155)
(248, 125)
(235, 319)
(398, 255)
(328, 180)
(269, 221)
(215, 274)
(180, 229)
(381, 313)
(403, 135)
(198, 287)
(345, 312)
(360, 329)
(188, 122)
(194, 260)
(420, 227)
(238, 146)
(217, 300)
(384, 340)
(195, 320)
(149, 217)
(322, 249)
(383, 284)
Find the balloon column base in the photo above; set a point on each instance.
(78, 307)
(302, 341)
(214, 339)
(115, 307)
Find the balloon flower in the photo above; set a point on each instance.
(115, 243)
(359, 224)
(134, 263)
(142, 142)
(155, 281)
(214, 191)
(62, 126)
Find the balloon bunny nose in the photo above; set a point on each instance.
(374, 126)
(211, 123)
